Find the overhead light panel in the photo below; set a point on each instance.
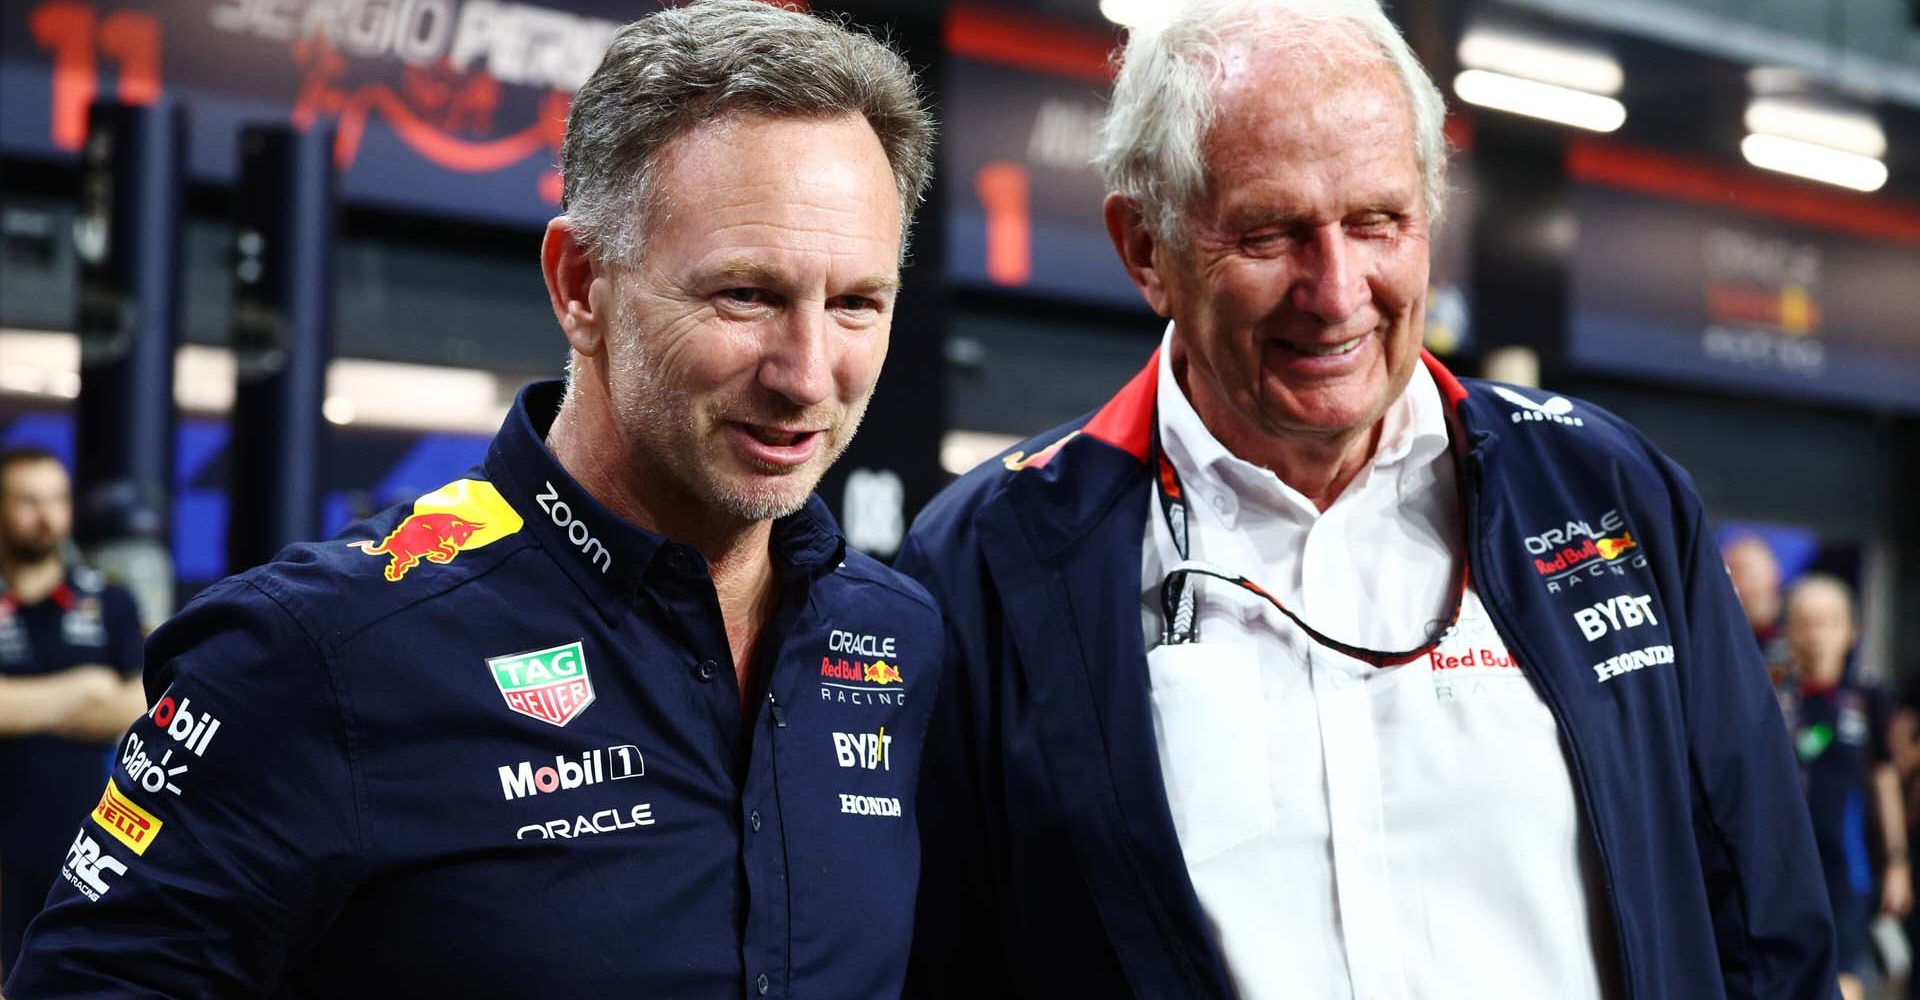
(1824, 125)
(360, 391)
(1542, 60)
(1814, 162)
(1548, 101)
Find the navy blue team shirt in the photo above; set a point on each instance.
(491, 745)
(47, 782)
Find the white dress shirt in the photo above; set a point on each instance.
(1401, 833)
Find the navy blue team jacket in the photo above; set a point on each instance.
(491, 745)
(1051, 864)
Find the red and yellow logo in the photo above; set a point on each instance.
(882, 672)
(1019, 460)
(1610, 548)
(464, 514)
(122, 817)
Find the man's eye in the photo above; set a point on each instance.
(1377, 223)
(855, 303)
(745, 296)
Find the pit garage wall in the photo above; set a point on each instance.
(1758, 331)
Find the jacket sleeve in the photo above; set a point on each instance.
(957, 950)
(1770, 911)
(123, 633)
(223, 841)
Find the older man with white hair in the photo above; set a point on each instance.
(1304, 669)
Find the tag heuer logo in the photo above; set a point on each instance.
(551, 685)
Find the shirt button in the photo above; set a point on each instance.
(754, 820)
(762, 984)
(677, 561)
(707, 668)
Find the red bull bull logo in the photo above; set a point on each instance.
(1611, 548)
(465, 514)
(882, 672)
(433, 537)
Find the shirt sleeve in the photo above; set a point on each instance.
(1752, 831)
(227, 834)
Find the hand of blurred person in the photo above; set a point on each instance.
(56, 702)
(1896, 888)
(108, 704)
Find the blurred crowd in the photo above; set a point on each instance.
(1857, 739)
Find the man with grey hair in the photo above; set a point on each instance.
(618, 713)
(1303, 669)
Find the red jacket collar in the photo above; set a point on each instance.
(1126, 422)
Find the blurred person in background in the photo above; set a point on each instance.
(1839, 727)
(69, 683)
(1903, 739)
(1227, 716)
(1755, 572)
(619, 713)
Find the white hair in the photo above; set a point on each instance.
(1152, 140)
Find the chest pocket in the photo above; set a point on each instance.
(83, 627)
(1210, 724)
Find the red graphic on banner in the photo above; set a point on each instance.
(1003, 189)
(436, 103)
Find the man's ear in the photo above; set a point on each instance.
(575, 287)
(1135, 243)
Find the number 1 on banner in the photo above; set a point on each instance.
(77, 37)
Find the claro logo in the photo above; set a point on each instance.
(577, 531)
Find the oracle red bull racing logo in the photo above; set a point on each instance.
(464, 514)
(1566, 556)
(867, 674)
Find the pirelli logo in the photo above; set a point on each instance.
(122, 817)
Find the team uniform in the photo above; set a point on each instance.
(1840, 735)
(46, 782)
(491, 745)
(1112, 813)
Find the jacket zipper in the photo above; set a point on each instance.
(1496, 610)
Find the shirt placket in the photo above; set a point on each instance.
(1356, 820)
(769, 939)
(1349, 744)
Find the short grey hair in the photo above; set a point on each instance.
(1152, 141)
(684, 66)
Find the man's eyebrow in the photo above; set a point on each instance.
(757, 273)
(874, 284)
(750, 271)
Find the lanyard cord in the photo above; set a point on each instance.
(1179, 593)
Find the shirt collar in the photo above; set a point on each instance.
(66, 593)
(1413, 436)
(609, 557)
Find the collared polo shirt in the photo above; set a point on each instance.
(48, 781)
(490, 744)
(1352, 831)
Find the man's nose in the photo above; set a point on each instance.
(796, 362)
(1331, 285)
